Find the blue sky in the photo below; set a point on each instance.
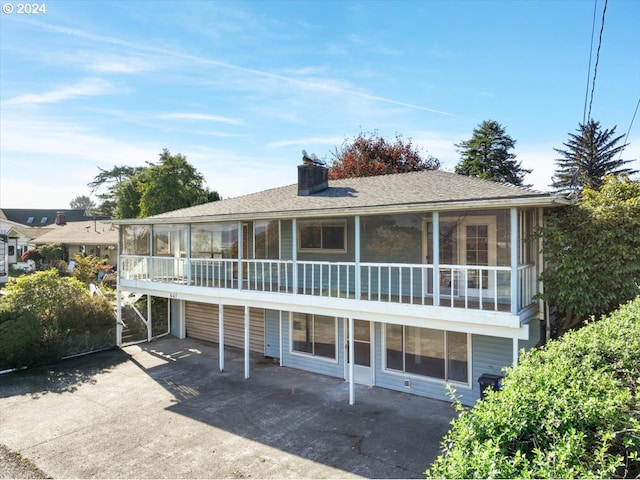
(240, 88)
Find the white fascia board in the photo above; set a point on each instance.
(482, 322)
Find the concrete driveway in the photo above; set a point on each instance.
(163, 410)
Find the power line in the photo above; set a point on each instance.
(630, 125)
(586, 92)
(595, 69)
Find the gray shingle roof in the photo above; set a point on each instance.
(79, 233)
(427, 189)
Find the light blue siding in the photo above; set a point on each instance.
(272, 333)
(535, 333)
(490, 355)
(175, 318)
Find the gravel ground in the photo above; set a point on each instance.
(13, 465)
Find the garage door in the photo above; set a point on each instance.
(202, 323)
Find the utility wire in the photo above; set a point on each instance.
(595, 68)
(630, 125)
(586, 92)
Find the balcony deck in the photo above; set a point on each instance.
(456, 286)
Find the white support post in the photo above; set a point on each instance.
(515, 300)
(240, 249)
(515, 351)
(247, 342)
(182, 329)
(435, 221)
(221, 337)
(352, 390)
(118, 293)
(281, 341)
(150, 269)
(294, 254)
(189, 279)
(149, 322)
(118, 315)
(357, 258)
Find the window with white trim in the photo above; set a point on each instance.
(427, 352)
(313, 335)
(323, 236)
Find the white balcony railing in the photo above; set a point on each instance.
(458, 286)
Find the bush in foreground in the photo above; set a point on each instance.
(46, 317)
(569, 410)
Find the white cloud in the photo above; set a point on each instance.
(84, 88)
(326, 85)
(200, 116)
(331, 140)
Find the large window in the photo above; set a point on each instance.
(314, 335)
(393, 238)
(327, 236)
(267, 240)
(214, 240)
(135, 240)
(170, 240)
(427, 352)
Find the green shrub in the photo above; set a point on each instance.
(86, 314)
(86, 268)
(20, 336)
(61, 319)
(568, 410)
(41, 293)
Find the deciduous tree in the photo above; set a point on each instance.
(82, 201)
(107, 182)
(487, 155)
(592, 252)
(170, 184)
(370, 155)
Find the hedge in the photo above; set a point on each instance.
(568, 410)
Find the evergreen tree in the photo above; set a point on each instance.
(590, 155)
(487, 155)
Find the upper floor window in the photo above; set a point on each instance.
(214, 240)
(323, 236)
(267, 239)
(170, 240)
(135, 240)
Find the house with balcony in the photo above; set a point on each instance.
(408, 282)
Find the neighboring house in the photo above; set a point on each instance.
(88, 237)
(23, 225)
(17, 238)
(407, 282)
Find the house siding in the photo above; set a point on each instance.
(272, 333)
(490, 355)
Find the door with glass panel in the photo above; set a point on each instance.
(362, 351)
(466, 243)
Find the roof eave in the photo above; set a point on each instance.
(536, 200)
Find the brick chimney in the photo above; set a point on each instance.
(61, 218)
(312, 178)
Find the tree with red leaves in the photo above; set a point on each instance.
(371, 155)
